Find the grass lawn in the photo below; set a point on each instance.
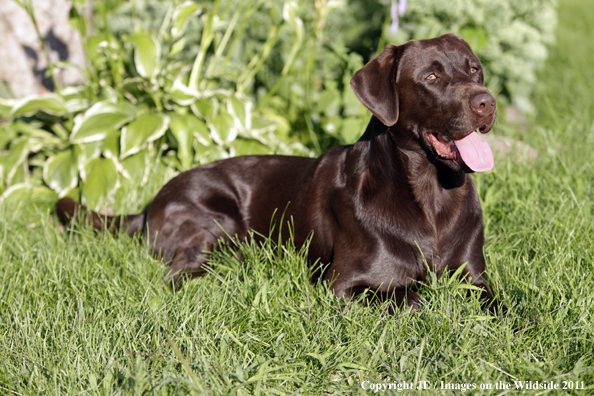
(87, 313)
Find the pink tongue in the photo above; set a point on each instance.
(475, 152)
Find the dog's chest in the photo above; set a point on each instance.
(435, 227)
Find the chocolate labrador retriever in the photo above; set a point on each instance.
(379, 209)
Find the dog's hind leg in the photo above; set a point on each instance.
(188, 249)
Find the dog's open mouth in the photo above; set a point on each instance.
(472, 150)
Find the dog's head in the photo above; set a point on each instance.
(435, 90)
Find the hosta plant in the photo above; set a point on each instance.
(140, 113)
(301, 71)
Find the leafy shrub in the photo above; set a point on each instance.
(140, 112)
(305, 77)
(510, 37)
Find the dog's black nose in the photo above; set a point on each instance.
(483, 103)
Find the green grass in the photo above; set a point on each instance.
(87, 313)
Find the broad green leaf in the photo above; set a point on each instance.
(172, 72)
(182, 94)
(111, 144)
(38, 161)
(102, 180)
(282, 127)
(146, 54)
(35, 134)
(126, 188)
(262, 125)
(100, 119)
(143, 130)
(177, 47)
(73, 193)
(20, 174)
(6, 106)
(51, 103)
(476, 38)
(241, 109)
(6, 135)
(222, 129)
(97, 46)
(171, 160)
(250, 147)
(182, 127)
(76, 98)
(220, 94)
(27, 193)
(293, 149)
(200, 151)
(206, 108)
(76, 105)
(19, 150)
(60, 171)
(352, 128)
(60, 131)
(134, 87)
(205, 155)
(201, 132)
(70, 93)
(180, 17)
(85, 153)
(109, 94)
(135, 167)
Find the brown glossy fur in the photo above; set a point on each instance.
(377, 208)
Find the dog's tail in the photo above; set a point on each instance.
(67, 210)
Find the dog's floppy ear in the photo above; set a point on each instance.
(375, 85)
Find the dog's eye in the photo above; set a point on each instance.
(431, 77)
(473, 70)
